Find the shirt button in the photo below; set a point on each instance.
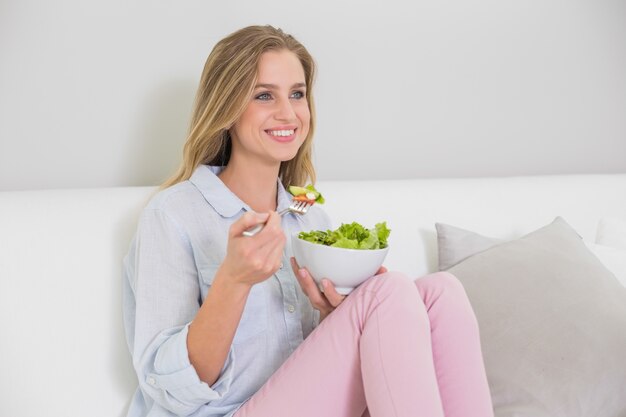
(151, 381)
(291, 308)
(281, 265)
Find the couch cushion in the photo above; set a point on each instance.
(553, 325)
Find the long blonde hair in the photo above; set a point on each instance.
(226, 85)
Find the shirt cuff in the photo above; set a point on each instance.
(175, 374)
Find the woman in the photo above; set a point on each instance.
(219, 325)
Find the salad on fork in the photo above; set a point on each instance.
(303, 199)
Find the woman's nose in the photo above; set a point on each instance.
(284, 110)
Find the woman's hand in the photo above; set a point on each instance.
(325, 301)
(250, 260)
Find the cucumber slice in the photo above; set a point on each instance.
(307, 191)
(295, 190)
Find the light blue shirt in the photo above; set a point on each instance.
(181, 240)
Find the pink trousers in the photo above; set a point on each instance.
(393, 347)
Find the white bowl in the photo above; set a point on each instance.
(346, 268)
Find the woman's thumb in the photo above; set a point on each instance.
(248, 220)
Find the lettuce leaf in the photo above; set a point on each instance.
(319, 199)
(383, 233)
(350, 236)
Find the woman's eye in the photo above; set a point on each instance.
(264, 96)
(268, 96)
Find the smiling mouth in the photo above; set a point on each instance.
(281, 133)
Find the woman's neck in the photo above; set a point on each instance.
(254, 184)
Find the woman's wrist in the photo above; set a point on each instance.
(230, 283)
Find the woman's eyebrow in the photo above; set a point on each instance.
(275, 87)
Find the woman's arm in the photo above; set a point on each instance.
(213, 329)
(177, 344)
(249, 260)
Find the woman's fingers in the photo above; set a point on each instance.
(267, 245)
(254, 259)
(310, 287)
(271, 232)
(264, 242)
(381, 270)
(331, 293)
(246, 221)
(275, 253)
(294, 266)
(329, 299)
(305, 279)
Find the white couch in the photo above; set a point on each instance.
(63, 351)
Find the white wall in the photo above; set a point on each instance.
(99, 93)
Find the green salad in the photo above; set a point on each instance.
(350, 236)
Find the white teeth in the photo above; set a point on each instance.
(281, 132)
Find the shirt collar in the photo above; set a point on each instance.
(218, 195)
(283, 199)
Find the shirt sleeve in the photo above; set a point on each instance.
(164, 298)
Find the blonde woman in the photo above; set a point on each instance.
(220, 324)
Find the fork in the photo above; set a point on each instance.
(298, 207)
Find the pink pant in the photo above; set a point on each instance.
(394, 347)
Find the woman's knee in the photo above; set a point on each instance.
(389, 281)
(444, 287)
(441, 282)
(449, 281)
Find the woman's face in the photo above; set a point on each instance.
(276, 120)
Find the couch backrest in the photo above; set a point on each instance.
(63, 351)
(503, 208)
